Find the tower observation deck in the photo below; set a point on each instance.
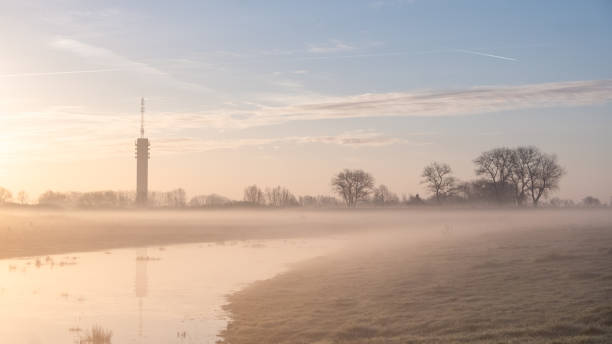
(142, 162)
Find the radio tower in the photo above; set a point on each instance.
(141, 117)
(142, 161)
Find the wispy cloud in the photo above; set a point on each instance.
(429, 103)
(333, 46)
(108, 58)
(103, 55)
(86, 71)
(358, 138)
(382, 3)
(484, 99)
(68, 133)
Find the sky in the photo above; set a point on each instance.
(290, 92)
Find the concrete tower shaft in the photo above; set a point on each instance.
(142, 170)
(142, 162)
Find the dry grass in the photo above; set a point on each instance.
(97, 335)
(522, 286)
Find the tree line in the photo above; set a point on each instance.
(505, 176)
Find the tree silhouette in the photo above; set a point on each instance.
(5, 195)
(280, 197)
(254, 195)
(22, 197)
(383, 196)
(496, 166)
(353, 186)
(544, 176)
(438, 179)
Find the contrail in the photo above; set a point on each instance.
(17, 75)
(329, 57)
(485, 54)
(398, 53)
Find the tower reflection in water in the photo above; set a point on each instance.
(141, 283)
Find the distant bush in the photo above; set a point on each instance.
(212, 200)
(591, 202)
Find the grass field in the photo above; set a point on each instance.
(523, 284)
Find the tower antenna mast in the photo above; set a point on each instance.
(142, 110)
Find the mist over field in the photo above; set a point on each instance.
(538, 278)
(28, 233)
(387, 276)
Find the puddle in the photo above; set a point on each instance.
(170, 294)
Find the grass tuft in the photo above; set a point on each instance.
(97, 335)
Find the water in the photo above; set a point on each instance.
(171, 294)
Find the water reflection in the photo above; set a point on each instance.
(171, 295)
(141, 283)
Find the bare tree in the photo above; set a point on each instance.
(280, 197)
(384, 197)
(544, 176)
(125, 198)
(438, 179)
(496, 166)
(5, 195)
(59, 199)
(353, 186)
(521, 163)
(177, 198)
(22, 197)
(254, 195)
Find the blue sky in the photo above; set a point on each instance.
(288, 92)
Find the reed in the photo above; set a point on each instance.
(97, 335)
